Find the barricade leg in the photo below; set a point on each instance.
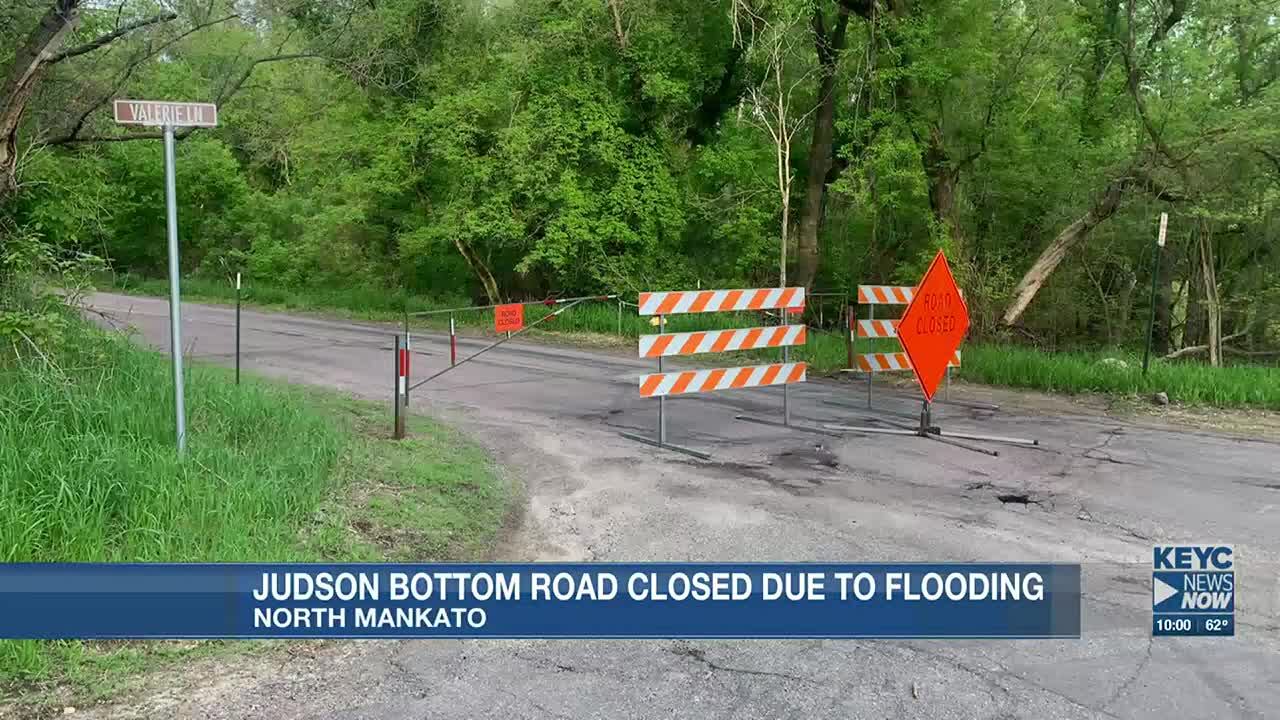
(661, 442)
(848, 334)
(871, 315)
(786, 390)
(927, 429)
(662, 401)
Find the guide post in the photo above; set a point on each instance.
(170, 115)
(1155, 283)
(237, 328)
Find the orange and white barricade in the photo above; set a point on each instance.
(871, 328)
(683, 382)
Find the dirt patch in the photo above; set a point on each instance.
(1245, 424)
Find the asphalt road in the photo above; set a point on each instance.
(1099, 491)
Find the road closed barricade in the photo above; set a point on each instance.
(929, 332)
(871, 328)
(663, 345)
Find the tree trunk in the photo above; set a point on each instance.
(20, 82)
(1104, 206)
(1121, 326)
(480, 269)
(820, 149)
(1194, 329)
(1211, 303)
(1162, 333)
(942, 188)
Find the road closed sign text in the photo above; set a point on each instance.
(934, 325)
(159, 113)
(508, 318)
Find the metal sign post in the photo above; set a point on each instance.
(237, 328)
(662, 401)
(1155, 283)
(170, 115)
(175, 307)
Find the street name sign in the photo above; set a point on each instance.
(158, 113)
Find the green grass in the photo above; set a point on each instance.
(1187, 382)
(1077, 372)
(88, 472)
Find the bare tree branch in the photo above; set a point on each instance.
(620, 34)
(72, 135)
(1197, 349)
(108, 38)
(230, 90)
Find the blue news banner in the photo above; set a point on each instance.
(651, 600)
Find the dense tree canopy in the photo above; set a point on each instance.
(494, 149)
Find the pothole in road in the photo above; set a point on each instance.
(1014, 498)
(815, 457)
(1024, 500)
(1007, 496)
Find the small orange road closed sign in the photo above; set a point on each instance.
(934, 325)
(508, 318)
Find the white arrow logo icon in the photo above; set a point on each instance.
(1163, 591)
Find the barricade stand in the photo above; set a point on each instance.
(936, 323)
(870, 363)
(927, 429)
(664, 344)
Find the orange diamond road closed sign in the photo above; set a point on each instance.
(508, 318)
(934, 325)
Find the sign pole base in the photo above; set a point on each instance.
(864, 410)
(992, 438)
(665, 445)
(788, 425)
(930, 431)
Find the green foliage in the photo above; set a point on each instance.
(490, 151)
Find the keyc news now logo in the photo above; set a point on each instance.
(1193, 590)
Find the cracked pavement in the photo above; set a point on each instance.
(1098, 491)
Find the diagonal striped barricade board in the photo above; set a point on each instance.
(696, 381)
(677, 302)
(717, 341)
(686, 382)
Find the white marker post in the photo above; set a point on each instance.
(169, 115)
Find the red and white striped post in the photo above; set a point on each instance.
(453, 343)
(401, 387)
